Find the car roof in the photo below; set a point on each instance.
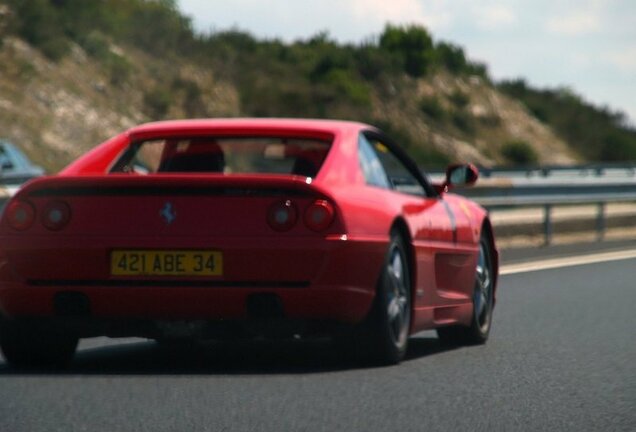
(234, 125)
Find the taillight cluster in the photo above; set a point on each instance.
(319, 215)
(56, 215)
(283, 215)
(21, 215)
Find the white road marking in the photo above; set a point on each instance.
(566, 262)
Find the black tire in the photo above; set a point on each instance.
(483, 295)
(390, 319)
(383, 337)
(29, 345)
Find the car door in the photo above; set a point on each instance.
(429, 217)
(386, 166)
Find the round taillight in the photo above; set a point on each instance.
(20, 215)
(56, 215)
(319, 215)
(282, 216)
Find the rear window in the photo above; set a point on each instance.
(227, 155)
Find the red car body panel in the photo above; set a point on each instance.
(326, 275)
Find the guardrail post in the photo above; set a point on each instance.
(600, 221)
(547, 224)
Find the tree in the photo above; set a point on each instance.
(451, 56)
(412, 46)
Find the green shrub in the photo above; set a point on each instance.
(490, 120)
(328, 62)
(463, 121)
(617, 147)
(459, 99)
(157, 102)
(411, 46)
(55, 48)
(159, 28)
(451, 57)
(428, 156)
(40, 24)
(519, 152)
(371, 62)
(539, 112)
(96, 45)
(193, 105)
(119, 68)
(26, 69)
(432, 108)
(597, 133)
(349, 87)
(478, 69)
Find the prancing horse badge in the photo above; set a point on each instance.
(168, 213)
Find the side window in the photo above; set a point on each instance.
(148, 157)
(371, 166)
(5, 161)
(396, 174)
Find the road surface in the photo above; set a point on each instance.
(562, 356)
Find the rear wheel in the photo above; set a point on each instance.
(393, 311)
(383, 336)
(483, 295)
(28, 345)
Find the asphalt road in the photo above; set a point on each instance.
(562, 356)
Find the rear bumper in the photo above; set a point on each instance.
(339, 303)
(339, 285)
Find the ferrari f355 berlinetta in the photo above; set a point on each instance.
(240, 227)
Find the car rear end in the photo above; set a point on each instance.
(143, 249)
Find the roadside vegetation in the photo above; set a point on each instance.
(598, 134)
(316, 77)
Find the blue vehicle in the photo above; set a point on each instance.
(15, 167)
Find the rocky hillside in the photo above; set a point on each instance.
(467, 119)
(58, 104)
(56, 111)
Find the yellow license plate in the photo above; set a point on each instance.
(166, 263)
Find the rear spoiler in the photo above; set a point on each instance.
(170, 184)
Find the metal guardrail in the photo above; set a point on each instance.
(595, 170)
(551, 171)
(548, 196)
(553, 186)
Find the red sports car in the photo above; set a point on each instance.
(226, 228)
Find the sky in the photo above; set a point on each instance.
(588, 46)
